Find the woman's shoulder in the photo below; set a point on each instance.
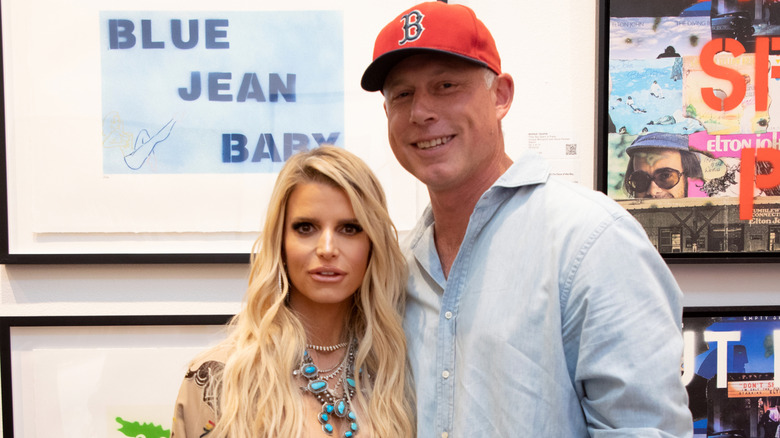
(208, 363)
(197, 405)
(203, 379)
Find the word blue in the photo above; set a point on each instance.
(121, 36)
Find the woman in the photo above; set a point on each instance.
(318, 348)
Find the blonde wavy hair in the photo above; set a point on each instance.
(258, 396)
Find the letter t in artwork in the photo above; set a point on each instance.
(723, 339)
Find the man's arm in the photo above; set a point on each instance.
(622, 334)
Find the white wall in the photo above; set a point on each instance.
(566, 39)
(729, 284)
(218, 289)
(121, 289)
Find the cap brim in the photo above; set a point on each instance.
(376, 73)
(633, 149)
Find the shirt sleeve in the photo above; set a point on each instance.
(195, 412)
(622, 326)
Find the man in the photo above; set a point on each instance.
(656, 91)
(659, 166)
(536, 308)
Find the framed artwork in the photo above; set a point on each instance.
(689, 115)
(730, 365)
(111, 376)
(154, 132)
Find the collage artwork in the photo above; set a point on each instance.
(705, 75)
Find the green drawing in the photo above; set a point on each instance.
(138, 430)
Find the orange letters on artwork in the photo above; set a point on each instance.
(747, 174)
(762, 67)
(708, 65)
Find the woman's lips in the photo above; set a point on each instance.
(327, 274)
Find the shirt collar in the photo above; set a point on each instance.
(527, 170)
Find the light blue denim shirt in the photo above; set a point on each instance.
(558, 319)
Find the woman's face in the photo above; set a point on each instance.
(325, 248)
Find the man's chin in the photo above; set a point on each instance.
(658, 196)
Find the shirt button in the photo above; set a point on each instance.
(445, 374)
(448, 315)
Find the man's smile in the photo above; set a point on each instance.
(427, 144)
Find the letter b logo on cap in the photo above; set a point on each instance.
(413, 27)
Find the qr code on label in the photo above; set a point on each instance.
(571, 149)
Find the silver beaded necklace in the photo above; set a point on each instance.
(326, 348)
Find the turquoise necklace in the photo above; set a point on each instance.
(318, 386)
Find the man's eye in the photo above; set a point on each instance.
(446, 86)
(665, 176)
(401, 95)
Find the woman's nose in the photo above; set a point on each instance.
(326, 246)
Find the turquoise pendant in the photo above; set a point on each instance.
(309, 371)
(317, 386)
(324, 418)
(353, 426)
(341, 408)
(328, 409)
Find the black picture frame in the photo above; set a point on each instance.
(737, 400)
(114, 324)
(703, 225)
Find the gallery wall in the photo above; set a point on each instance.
(553, 60)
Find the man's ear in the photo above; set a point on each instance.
(384, 106)
(505, 92)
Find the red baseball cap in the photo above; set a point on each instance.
(431, 27)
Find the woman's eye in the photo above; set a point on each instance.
(303, 227)
(352, 229)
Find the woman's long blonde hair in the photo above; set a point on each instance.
(259, 397)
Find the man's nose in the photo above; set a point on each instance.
(423, 109)
(654, 191)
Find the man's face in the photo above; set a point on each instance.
(443, 120)
(661, 171)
